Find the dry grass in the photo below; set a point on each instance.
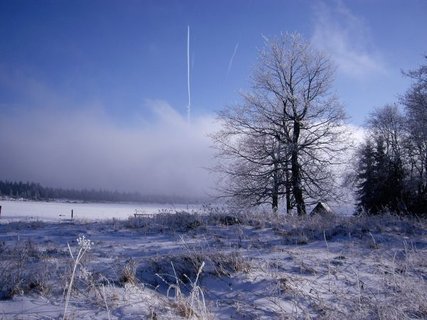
(24, 268)
(314, 268)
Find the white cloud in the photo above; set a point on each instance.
(357, 134)
(84, 149)
(346, 37)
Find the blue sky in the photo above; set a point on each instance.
(117, 54)
(122, 65)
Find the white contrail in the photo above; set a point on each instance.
(230, 63)
(188, 76)
(265, 38)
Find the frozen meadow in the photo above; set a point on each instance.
(22, 210)
(213, 265)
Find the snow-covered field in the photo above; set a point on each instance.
(215, 266)
(13, 210)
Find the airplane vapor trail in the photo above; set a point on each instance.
(230, 63)
(188, 76)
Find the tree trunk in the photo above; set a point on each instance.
(275, 192)
(296, 173)
(288, 189)
(275, 202)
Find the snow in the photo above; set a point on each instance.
(262, 267)
(19, 210)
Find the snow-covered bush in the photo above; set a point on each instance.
(24, 268)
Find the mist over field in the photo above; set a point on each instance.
(87, 149)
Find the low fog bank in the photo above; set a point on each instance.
(85, 149)
(160, 155)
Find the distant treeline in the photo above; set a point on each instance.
(35, 191)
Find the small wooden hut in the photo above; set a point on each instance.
(322, 209)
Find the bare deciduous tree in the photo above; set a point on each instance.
(415, 102)
(281, 141)
(389, 124)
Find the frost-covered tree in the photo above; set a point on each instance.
(252, 156)
(397, 180)
(415, 102)
(284, 137)
(381, 184)
(366, 179)
(388, 123)
(379, 179)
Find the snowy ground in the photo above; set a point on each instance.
(24, 210)
(214, 266)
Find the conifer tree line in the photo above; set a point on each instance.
(392, 162)
(35, 191)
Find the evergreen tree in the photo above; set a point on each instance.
(380, 180)
(381, 172)
(366, 179)
(390, 175)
